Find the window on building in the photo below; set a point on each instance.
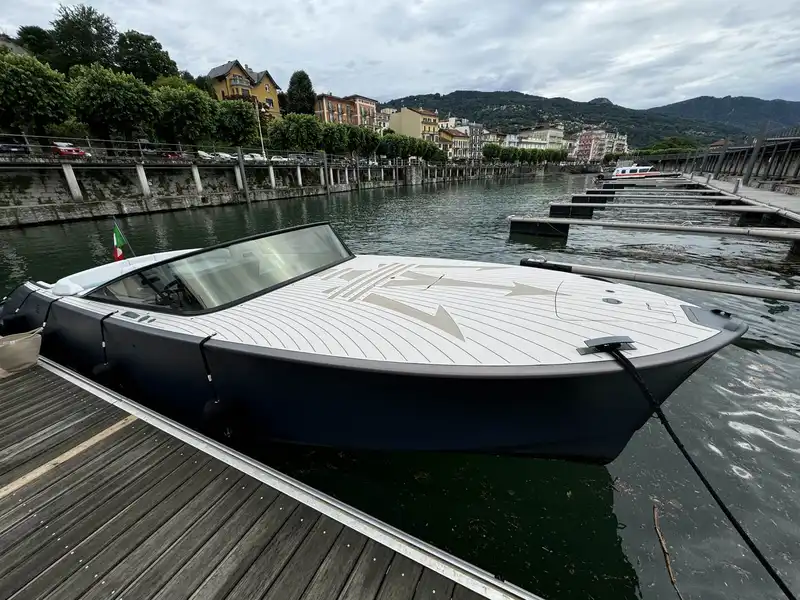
(266, 87)
(269, 103)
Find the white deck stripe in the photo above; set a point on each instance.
(447, 565)
(33, 475)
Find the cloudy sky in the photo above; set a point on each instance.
(638, 54)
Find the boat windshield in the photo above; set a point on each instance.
(229, 274)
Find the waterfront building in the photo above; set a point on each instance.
(551, 135)
(381, 122)
(333, 109)
(455, 143)
(476, 140)
(416, 122)
(592, 144)
(15, 48)
(234, 81)
(366, 110)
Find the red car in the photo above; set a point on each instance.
(65, 149)
(173, 155)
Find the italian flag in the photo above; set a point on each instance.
(119, 242)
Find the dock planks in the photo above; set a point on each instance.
(96, 503)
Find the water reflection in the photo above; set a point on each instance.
(547, 526)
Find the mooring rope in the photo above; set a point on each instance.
(614, 350)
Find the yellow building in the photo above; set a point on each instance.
(454, 142)
(232, 81)
(416, 122)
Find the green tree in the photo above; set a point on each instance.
(369, 142)
(283, 103)
(32, 95)
(491, 151)
(672, 142)
(334, 138)
(171, 81)
(187, 77)
(300, 96)
(300, 133)
(38, 41)
(395, 146)
(204, 83)
(355, 139)
(71, 128)
(405, 146)
(236, 122)
(112, 103)
(185, 114)
(143, 57)
(389, 131)
(82, 36)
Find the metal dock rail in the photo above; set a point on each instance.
(103, 498)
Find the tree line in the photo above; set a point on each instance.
(86, 79)
(662, 147)
(523, 155)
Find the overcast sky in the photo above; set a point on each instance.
(637, 53)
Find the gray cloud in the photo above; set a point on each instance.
(638, 55)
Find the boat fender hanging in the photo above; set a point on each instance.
(597, 345)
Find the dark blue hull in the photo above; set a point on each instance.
(225, 388)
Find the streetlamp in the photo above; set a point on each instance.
(260, 136)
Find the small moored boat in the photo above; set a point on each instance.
(635, 171)
(293, 338)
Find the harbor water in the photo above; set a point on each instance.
(560, 530)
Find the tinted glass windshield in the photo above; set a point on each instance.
(222, 276)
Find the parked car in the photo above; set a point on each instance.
(223, 156)
(146, 147)
(65, 149)
(204, 155)
(279, 159)
(11, 145)
(254, 157)
(173, 155)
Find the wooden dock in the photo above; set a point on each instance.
(103, 498)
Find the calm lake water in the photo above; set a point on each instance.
(563, 531)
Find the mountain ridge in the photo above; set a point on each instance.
(704, 118)
(746, 112)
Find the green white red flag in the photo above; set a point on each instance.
(119, 242)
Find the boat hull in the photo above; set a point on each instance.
(577, 412)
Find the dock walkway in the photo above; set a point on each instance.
(784, 202)
(103, 498)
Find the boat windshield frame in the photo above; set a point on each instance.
(93, 294)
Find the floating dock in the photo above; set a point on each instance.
(766, 217)
(788, 205)
(703, 207)
(103, 498)
(555, 227)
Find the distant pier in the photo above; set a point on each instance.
(761, 213)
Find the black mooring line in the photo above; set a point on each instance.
(626, 364)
